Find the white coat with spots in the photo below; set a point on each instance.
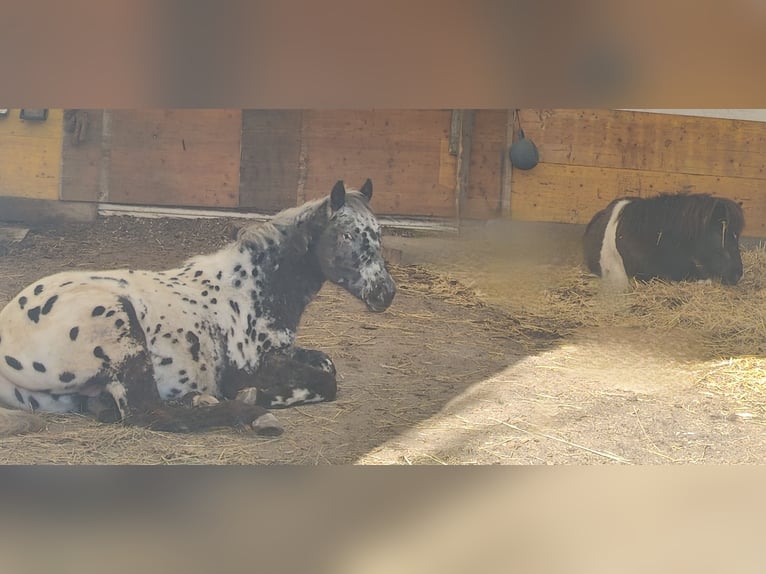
(142, 345)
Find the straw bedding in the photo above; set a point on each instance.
(545, 304)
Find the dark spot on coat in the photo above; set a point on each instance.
(204, 293)
(38, 289)
(13, 363)
(119, 323)
(98, 310)
(193, 345)
(66, 377)
(219, 275)
(64, 284)
(98, 352)
(214, 301)
(73, 332)
(39, 367)
(167, 335)
(34, 314)
(18, 396)
(22, 302)
(49, 304)
(234, 305)
(183, 381)
(262, 336)
(237, 283)
(110, 313)
(197, 273)
(166, 361)
(157, 328)
(34, 403)
(237, 267)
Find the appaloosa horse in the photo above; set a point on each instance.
(672, 237)
(217, 333)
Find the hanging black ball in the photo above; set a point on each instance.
(524, 153)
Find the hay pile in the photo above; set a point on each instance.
(542, 304)
(731, 319)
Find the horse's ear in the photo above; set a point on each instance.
(338, 195)
(366, 189)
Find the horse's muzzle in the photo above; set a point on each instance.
(379, 298)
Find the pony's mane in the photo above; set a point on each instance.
(292, 217)
(687, 215)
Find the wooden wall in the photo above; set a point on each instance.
(589, 157)
(30, 156)
(266, 160)
(271, 151)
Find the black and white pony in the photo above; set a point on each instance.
(672, 237)
(217, 333)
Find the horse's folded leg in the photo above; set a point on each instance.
(197, 399)
(174, 418)
(249, 396)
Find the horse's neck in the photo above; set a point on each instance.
(291, 279)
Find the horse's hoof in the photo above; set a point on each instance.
(267, 425)
(249, 396)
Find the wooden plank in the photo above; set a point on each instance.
(175, 157)
(35, 210)
(271, 143)
(30, 156)
(81, 161)
(645, 141)
(483, 197)
(404, 152)
(573, 194)
(466, 119)
(507, 166)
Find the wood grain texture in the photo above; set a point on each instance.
(30, 156)
(646, 141)
(81, 162)
(404, 152)
(271, 145)
(483, 197)
(175, 157)
(573, 194)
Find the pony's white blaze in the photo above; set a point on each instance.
(612, 265)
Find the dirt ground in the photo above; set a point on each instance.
(450, 374)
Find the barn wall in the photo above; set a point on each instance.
(30, 156)
(404, 152)
(589, 157)
(266, 160)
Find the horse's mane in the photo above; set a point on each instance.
(687, 216)
(291, 219)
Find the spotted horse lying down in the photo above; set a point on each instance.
(208, 344)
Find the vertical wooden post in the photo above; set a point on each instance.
(467, 120)
(106, 156)
(507, 169)
(303, 163)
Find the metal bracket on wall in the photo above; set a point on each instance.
(34, 115)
